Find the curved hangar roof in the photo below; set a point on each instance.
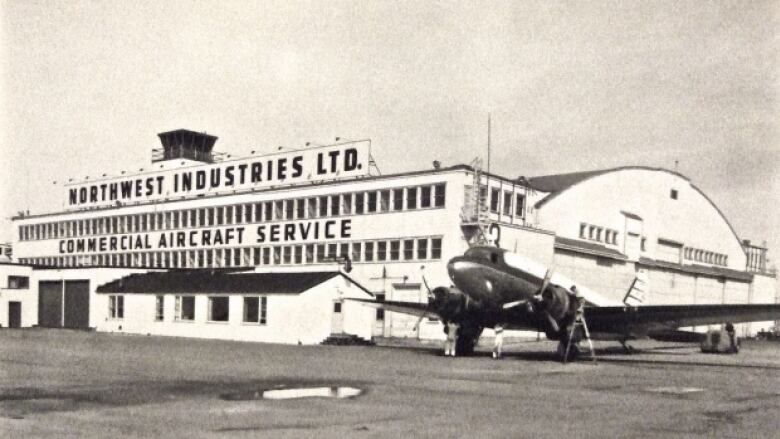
(641, 192)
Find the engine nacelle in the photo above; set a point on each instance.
(449, 303)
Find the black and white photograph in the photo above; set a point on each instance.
(389, 219)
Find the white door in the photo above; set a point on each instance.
(337, 322)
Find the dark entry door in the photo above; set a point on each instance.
(14, 314)
(50, 304)
(77, 304)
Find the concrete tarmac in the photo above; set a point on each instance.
(61, 383)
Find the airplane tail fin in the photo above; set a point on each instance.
(637, 291)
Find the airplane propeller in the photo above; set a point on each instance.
(537, 299)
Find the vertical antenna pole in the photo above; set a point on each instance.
(488, 147)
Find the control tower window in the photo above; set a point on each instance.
(371, 202)
(411, 198)
(398, 199)
(494, 200)
(425, 196)
(438, 198)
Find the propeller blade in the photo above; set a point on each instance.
(416, 325)
(552, 321)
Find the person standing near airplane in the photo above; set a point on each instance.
(451, 329)
(498, 342)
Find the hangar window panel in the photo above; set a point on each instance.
(38, 230)
(219, 308)
(185, 308)
(368, 251)
(229, 214)
(347, 203)
(311, 204)
(277, 255)
(211, 216)
(507, 206)
(344, 250)
(300, 208)
(237, 257)
(266, 256)
(591, 232)
(425, 196)
(256, 256)
(201, 217)
(167, 260)
(494, 194)
(422, 248)
(184, 216)
(335, 205)
(309, 253)
(226, 262)
(160, 222)
(116, 306)
(258, 212)
(220, 216)
(411, 198)
(372, 202)
(356, 251)
(323, 206)
(321, 252)
(408, 249)
(395, 249)
(332, 249)
(201, 258)
(583, 228)
(439, 192)
(381, 251)
(159, 308)
(359, 203)
(239, 209)
(298, 254)
(436, 248)
(398, 199)
(278, 210)
(384, 200)
(289, 209)
(168, 220)
(247, 213)
(269, 208)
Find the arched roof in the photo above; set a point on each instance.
(559, 183)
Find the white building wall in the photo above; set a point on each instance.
(291, 318)
(690, 219)
(28, 297)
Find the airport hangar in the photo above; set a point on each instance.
(161, 251)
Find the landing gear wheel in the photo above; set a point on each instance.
(467, 340)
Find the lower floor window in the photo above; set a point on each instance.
(185, 307)
(159, 307)
(219, 309)
(255, 309)
(116, 306)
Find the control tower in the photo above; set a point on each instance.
(185, 144)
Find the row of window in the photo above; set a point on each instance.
(407, 249)
(353, 203)
(506, 206)
(254, 308)
(598, 233)
(708, 257)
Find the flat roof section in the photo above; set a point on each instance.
(209, 282)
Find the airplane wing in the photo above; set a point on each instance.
(652, 318)
(411, 308)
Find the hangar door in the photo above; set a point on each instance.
(63, 304)
(50, 304)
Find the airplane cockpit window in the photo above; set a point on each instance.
(493, 256)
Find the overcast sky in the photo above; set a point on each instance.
(571, 86)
